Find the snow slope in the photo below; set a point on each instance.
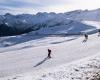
(64, 50)
(84, 69)
(93, 23)
(71, 27)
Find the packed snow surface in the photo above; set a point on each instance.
(24, 57)
(31, 56)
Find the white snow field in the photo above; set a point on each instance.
(93, 23)
(72, 59)
(24, 57)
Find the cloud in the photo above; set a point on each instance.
(32, 3)
(16, 3)
(17, 11)
(87, 4)
(18, 6)
(53, 2)
(34, 6)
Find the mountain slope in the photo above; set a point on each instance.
(64, 50)
(24, 57)
(69, 27)
(91, 15)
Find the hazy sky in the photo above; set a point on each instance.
(34, 6)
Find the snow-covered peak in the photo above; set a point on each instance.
(91, 15)
(29, 22)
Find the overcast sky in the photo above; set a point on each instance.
(34, 6)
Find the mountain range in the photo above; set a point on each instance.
(24, 23)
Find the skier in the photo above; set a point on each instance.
(86, 37)
(98, 32)
(49, 53)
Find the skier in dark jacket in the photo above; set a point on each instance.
(98, 32)
(49, 53)
(86, 36)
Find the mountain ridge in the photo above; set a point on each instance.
(24, 23)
